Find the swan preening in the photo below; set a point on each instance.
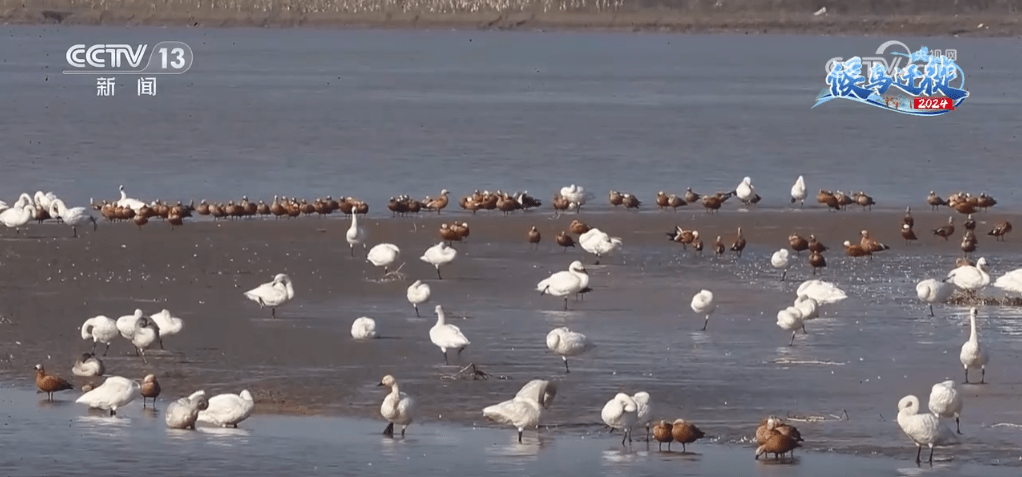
(397, 408)
(418, 294)
(598, 243)
(73, 217)
(973, 354)
(932, 291)
(923, 428)
(811, 295)
(227, 410)
(273, 294)
(565, 342)
(621, 412)
(363, 328)
(383, 255)
(566, 283)
(447, 336)
(525, 409)
(88, 365)
(703, 304)
(100, 329)
(780, 260)
(798, 191)
(167, 324)
(945, 402)
(116, 392)
(575, 195)
(183, 413)
(439, 254)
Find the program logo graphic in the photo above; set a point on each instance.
(930, 84)
(166, 58)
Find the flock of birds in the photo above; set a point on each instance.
(524, 410)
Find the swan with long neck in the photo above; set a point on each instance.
(397, 408)
(973, 354)
(356, 235)
(73, 217)
(446, 336)
(924, 429)
(273, 294)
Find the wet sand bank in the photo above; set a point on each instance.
(973, 18)
(863, 355)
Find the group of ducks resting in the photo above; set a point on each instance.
(498, 200)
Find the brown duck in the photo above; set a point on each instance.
(49, 383)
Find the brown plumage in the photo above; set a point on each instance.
(560, 203)
(682, 236)
(565, 240)
(49, 383)
(662, 433)
(856, 250)
(1000, 230)
(203, 208)
(907, 233)
(969, 223)
(712, 202)
(662, 200)
(261, 208)
(697, 243)
(718, 247)
(963, 262)
(615, 198)
(690, 196)
(739, 243)
(460, 229)
(534, 236)
(150, 389)
(843, 199)
(864, 200)
(816, 245)
(438, 203)
(674, 202)
(778, 439)
(946, 230)
(507, 205)
(174, 220)
(277, 209)
(763, 432)
(449, 234)
(829, 199)
(470, 204)
(140, 220)
(969, 242)
(817, 261)
(797, 243)
(935, 201)
(907, 219)
(963, 207)
(870, 244)
(984, 201)
(577, 227)
(631, 202)
(685, 433)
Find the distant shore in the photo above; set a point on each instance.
(919, 17)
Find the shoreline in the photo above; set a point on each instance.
(763, 17)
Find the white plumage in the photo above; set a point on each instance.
(924, 429)
(73, 217)
(363, 328)
(745, 191)
(439, 254)
(88, 365)
(183, 413)
(932, 291)
(598, 243)
(100, 329)
(145, 334)
(780, 260)
(643, 409)
(621, 413)
(791, 319)
(564, 342)
(526, 408)
(355, 235)
(397, 408)
(116, 392)
(973, 354)
(970, 278)
(945, 402)
(383, 255)
(16, 217)
(565, 283)
(418, 294)
(798, 191)
(226, 410)
(1010, 282)
(825, 293)
(447, 336)
(576, 195)
(703, 304)
(126, 324)
(273, 294)
(133, 204)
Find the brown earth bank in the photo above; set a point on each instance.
(902, 17)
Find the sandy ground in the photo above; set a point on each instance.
(975, 18)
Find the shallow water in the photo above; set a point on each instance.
(48, 438)
(372, 114)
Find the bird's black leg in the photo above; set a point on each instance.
(919, 451)
(389, 431)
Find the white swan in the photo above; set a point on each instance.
(970, 278)
(932, 291)
(17, 217)
(273, 294)
(167, 323)
(145, 334)
(621, 413)
(703, 304)
(564, 342)
(439, 254)
(781, 260)
(88, 365)
(643, 409)
(133, 204)
(798, 191)
(383, 255)
(356, 235)
(227, 410)
(116, 392)
(923, 429)
(825, 293)
(526, 408)
(73, 217)
(565, 284)
(126, 324)
(1010, 282)
(945, 402)
(183, 413)
(43, 200)
(363, 328)
(809, 308)
(576, 195)
(100, 329)
(745, 191)
(791, 319)
(598, 243)
(974, 355)
(447, 336)
(418, 294)
(397, 408)
(4, 206)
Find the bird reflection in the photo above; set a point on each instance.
(224, 436)
(510, 447)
